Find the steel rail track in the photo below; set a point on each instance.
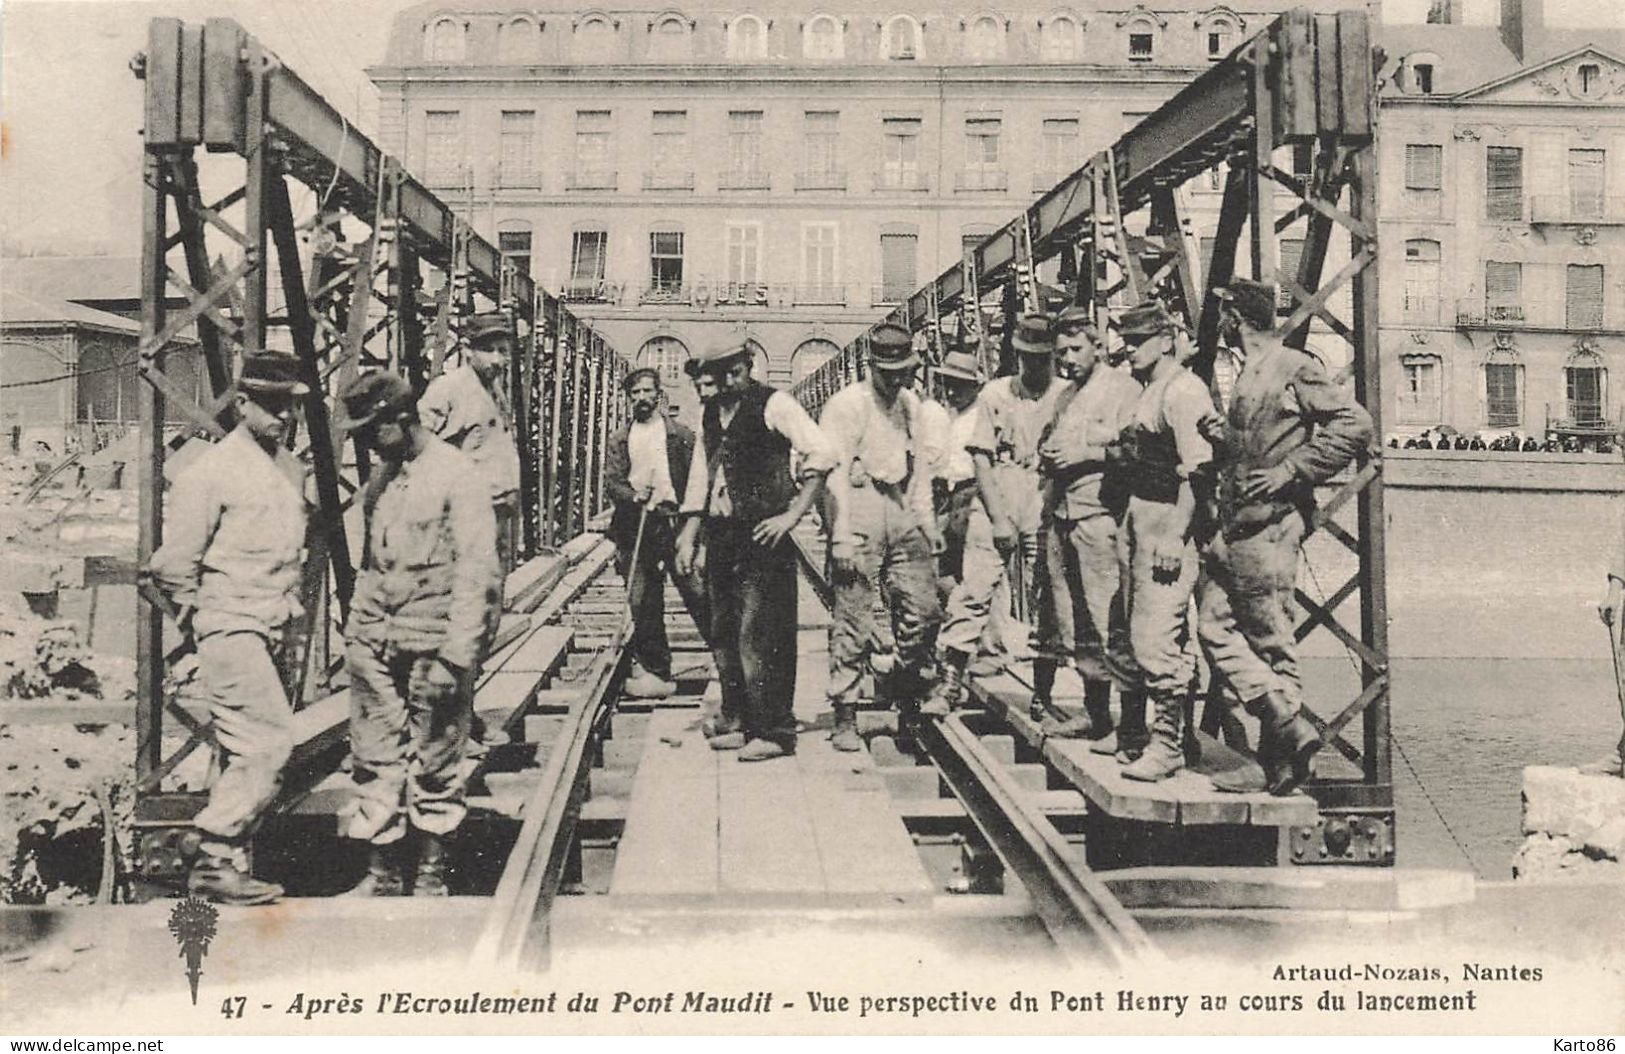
(1082, 916)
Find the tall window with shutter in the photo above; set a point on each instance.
(1418, 396)
(666, 262)
(515, 246)
(1586, 183)
(1424, 178)
(1059, 148)
(744, 254)
(443, 145)
(898, 256)
(901, 158)
(821, 142)
(516, 164)
(1502, 405)
(587, 257)
(818, 263)
(1584, 384)
(1503, 291)
(1503, 184)
(593, 162)
(669, 153)
(745, 144)
(1422, 280)
(1583, 296)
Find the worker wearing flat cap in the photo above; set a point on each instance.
(883, 530)
(1014, 413)
(428, 576)
(1085, 498)
(740, 485)
(468, 407)
(232, 558)
(1289, 427)
(1157, 544)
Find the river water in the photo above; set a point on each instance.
(1468, 727)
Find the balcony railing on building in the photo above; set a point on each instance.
(668, 181)
(745, 179)
(593, 179)
(820, 296)
(1566, 208)
(900, 179)
(592, 291)
(1532, 314)
(663, 293)
(827, 180)
(1579, 418)
(970, 180)
(884, 294)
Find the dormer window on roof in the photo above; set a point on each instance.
(671, 38)
(1141, 28)
(1060, 37)
(1219, 29)
(519, 41)
(1418, 73)
(900, 38)
(747, 38)
(595, 37)
(821, 38)
(984, 38)
(443, 40)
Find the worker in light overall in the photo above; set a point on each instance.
(1013, 413)
(740, 484)
(428, 576)
(884, 532)
(1288, 428)
(1167, 456)
(233, 551)
(1084, 618)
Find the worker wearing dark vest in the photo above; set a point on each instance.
(740, 484)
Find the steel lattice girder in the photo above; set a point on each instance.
(1305, 80)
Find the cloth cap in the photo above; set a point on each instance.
(375, 395)
(891, 347)
(1254, 301)
(721, 352)
(1145, 319)
(488, 325)
(1035, 334)
(1074, 317)
(960, 365)
(271, 373)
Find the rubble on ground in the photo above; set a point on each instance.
(1575, 826)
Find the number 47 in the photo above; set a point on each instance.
(233, 1006)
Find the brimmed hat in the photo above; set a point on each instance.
(373, 395)
(1254, 301)
(485, 326)
(1144, 320)
(722, 352)
(1074, 317)
(271, 373)
(1035, 335)
(960, 365)
(891, 347)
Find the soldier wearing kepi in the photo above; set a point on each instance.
(1085, 497)
(428, 574)
(1167, 456)
(231, 560)
(1012, 415)
(1289, 427)
(740, 484)
(468, 408)
(884, 532)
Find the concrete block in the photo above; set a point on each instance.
(1564, 802)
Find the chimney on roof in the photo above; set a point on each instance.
(1523, 22)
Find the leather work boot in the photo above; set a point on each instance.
(431, 877)
(726, 741)
(1095, 723)
(1131, 737)
(845, 738)
(1043, 688)
(1287, 747)
(220, 878)
(949, 693)
(1248, 778)
(383, 875)
(1165, 754)
(645, 685)
(767, 749)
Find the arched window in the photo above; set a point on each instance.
(821, 39)
(1141, 30)
(747, 38)
(808, 356)
(984, 39)
(1421, 280)
(1219, 30)
(666, 354)
(595, 39)
(519, 42)
(900, 39)
(1419, 73)
(1503, 388)
(758, 359)
(1059, 39)
(669, 39)
(445, 41)
(1585, 382)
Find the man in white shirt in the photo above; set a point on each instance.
(645, 472)
(884, 531)
(739, 483)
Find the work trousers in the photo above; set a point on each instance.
(1246, 614)
(253, 724)
(1081, 608)
(894, 557)
(983, 591)
(752, 592)
(1158, 604)
(646, 593)
(407, 734)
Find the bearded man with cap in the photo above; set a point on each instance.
(233, 553)
(1085, 497)
(1167, 455)
(739, 484)
(428, 576)
(883, 530)
(1013, 414)
(468, 408)
(1288, 428)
